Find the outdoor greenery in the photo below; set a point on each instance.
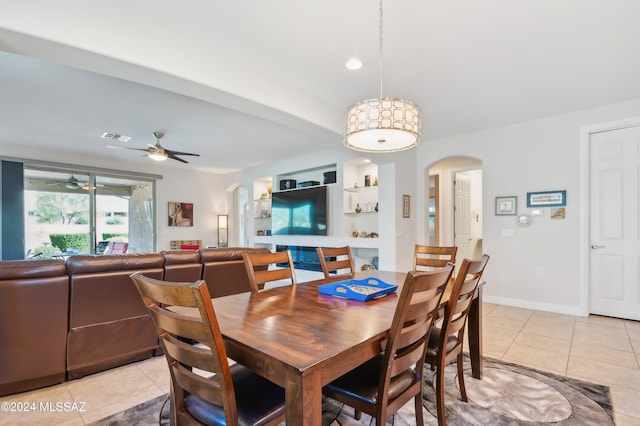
(115, 221)
(40, 251)
(53, 207)
(115, 236)
(70, 241)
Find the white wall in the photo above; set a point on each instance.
(205, 190)
(209, 197)
(531, 156)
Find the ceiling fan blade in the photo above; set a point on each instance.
(170, 155)
(126, 147)
(180, 153)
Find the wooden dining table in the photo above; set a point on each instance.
(301, 339)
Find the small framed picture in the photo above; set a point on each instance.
(547, 199)
(264, 213)
(507, 206)
(557, 213)
(406, 205)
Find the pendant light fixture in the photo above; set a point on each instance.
(382, 124)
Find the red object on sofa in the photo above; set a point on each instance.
(189, 247)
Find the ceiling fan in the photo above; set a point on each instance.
(74, 183)
(159, 153)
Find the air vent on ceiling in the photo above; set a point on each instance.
(116, 137)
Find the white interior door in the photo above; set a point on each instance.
(462, 217)
(615, 239)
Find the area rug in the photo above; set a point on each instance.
(508, 394)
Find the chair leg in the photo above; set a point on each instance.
(357, 414)
(419, 418)
(442, 421)
(463, 389)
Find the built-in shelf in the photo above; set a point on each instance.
(362, 189)
(323, 175)
(363, 212)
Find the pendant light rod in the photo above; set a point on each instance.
(380, 48)
(382, 124)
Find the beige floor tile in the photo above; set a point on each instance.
(633, 329)
(586, 379)
(509, 312)
(608, 355)
(157, 370)
(624, 420)
(562, 330)
(625, 400)
(490, 332)
(551, 318)
(496, 347)
(600, 320)
(52, 405)
(603, 373)
(541, 359)
(496, 341)
(112, 391)
(543, 342)
(487, 308)
(496, 321)
(602, 335)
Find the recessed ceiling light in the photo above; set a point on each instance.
(353, 64)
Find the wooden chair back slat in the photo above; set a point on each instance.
(403, 353)
(336, 262)
(441, 352)
(412, 322)
(429, 257)
(190, 335)
(263, 268)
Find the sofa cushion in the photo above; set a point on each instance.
(34, 307)
(224, 270)
(182, 265)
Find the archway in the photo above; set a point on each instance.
(454, 206)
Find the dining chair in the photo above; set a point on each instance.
(384, 384)
(429, 257)
(446, 340)
(116, 248)
(188, 329)
(336, 262)
(263, 268)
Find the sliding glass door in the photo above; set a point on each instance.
(68, 212)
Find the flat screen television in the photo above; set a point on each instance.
(299, 212)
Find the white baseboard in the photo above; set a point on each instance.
(527, 304)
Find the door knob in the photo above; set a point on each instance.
(595, 246)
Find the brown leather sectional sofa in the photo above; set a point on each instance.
(62, 320)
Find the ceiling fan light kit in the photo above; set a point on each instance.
(72, 183)
(382, 124)
(157, 152)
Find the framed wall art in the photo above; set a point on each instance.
(180, 214)
(507, 206)
(406, 205)
(547, 199)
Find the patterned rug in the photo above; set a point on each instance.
(508, 394)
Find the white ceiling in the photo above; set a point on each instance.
(248, 82)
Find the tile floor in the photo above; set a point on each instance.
(596, 349)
